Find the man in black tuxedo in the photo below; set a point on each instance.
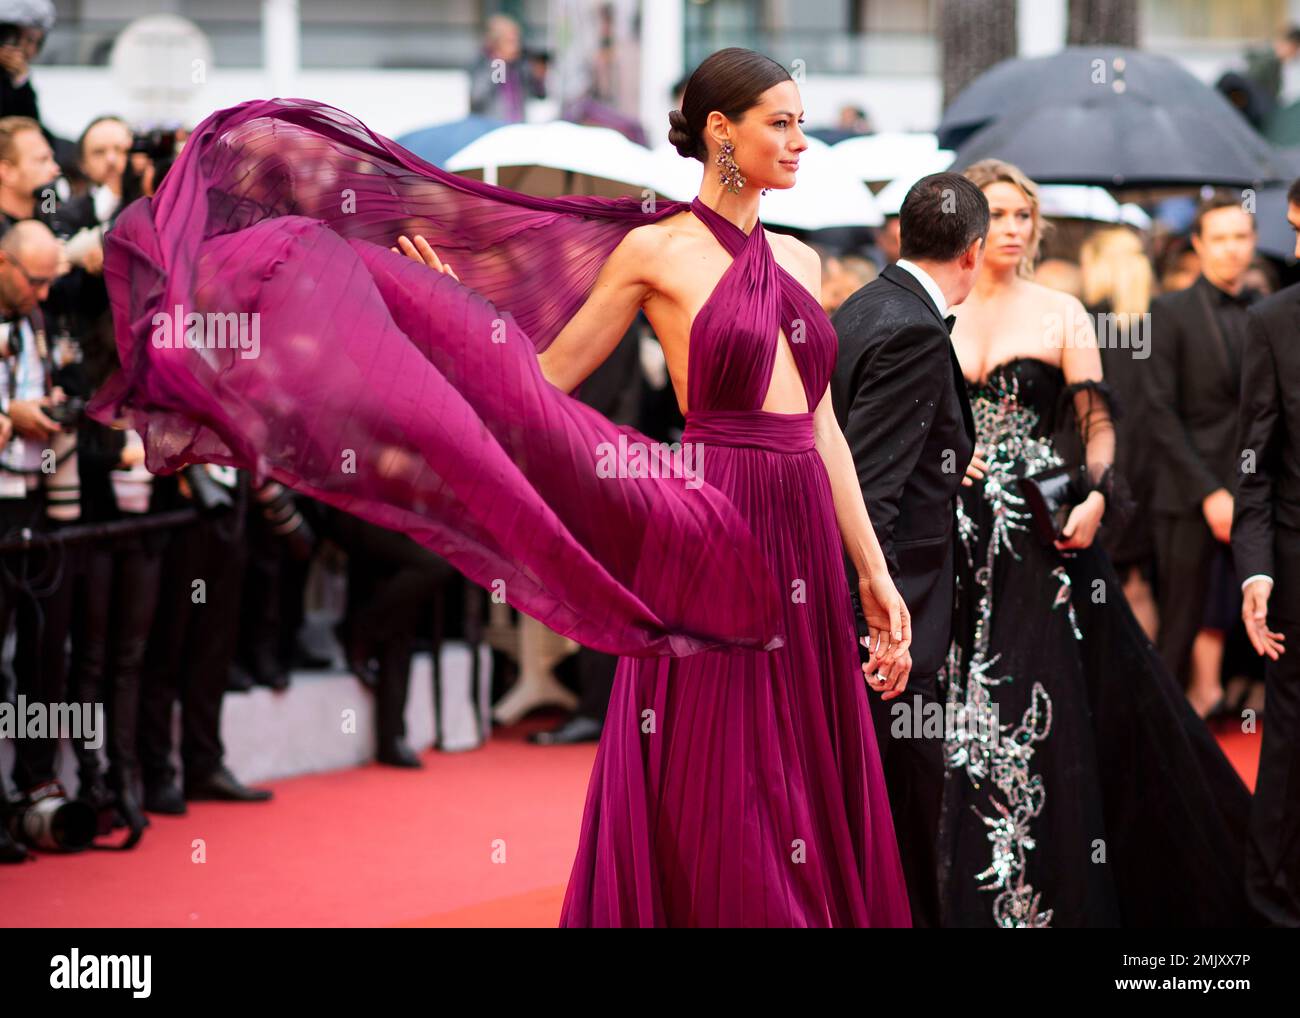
(1266, 545)
(1190, 388)
(899, 395)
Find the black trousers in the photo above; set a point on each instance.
(914, 772)
(1273, 849)
(595, 682)
(260, 621)
(391, 583)
(1185, 550)
(113, 612)
(190, 648)
(36, 596)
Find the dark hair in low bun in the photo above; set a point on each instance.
(729, 81)
(679, 137)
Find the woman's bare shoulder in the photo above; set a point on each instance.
(652, 240)
(1047, 299)
(663, 233)
(667, 246)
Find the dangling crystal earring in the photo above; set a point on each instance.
(730, 177)
(765, 190)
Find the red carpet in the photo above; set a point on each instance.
(368, 847)
(483, 838)
(1240, 748)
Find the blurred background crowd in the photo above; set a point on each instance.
(162, 596)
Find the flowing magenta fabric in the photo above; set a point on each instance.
(404, 397)
(737, 781)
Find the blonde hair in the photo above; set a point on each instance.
(9, 128)
(1116, 269)
(995, 171)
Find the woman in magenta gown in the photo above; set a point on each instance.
(737, 781)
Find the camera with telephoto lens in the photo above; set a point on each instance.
(68, 413)
(282, 515)
(157, 144)
(47, 819)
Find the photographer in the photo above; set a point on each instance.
(504, 78)
(191, 642)
(27, 167)
(32, 586)
(23, 27)
(103, 150)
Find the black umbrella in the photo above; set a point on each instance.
(1274, 236)
(1108, 116)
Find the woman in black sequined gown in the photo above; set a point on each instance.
(1081, 790)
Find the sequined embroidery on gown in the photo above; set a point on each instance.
(1082, 790)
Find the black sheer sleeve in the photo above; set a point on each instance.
(1089, 410)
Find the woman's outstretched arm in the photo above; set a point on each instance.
(594, 331)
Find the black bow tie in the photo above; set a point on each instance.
(950, 321)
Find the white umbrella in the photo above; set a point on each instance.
(877, 158)
(1057, 201)
(675, 177)
(823, 196)
(557, 158)
(575, 159)
(890, 197)
(1082, 201)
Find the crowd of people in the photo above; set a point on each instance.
(143, 591)
(1163, 292)
(134, 590)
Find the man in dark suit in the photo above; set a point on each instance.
(1190, 385)
(900, 398)
(1266, 545)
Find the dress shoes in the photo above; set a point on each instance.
(223, 786)
(266, 670)
(237, 679)
(577, 729)
(359, 657)
(165, 799)
(397, 753)
(308, 660)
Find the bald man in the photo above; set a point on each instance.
(29, 261)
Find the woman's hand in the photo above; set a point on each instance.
(422, 252)
(132, 456)
(14, 61)
(889, 623)
(1081, 526)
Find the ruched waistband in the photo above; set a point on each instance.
(755, 429)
